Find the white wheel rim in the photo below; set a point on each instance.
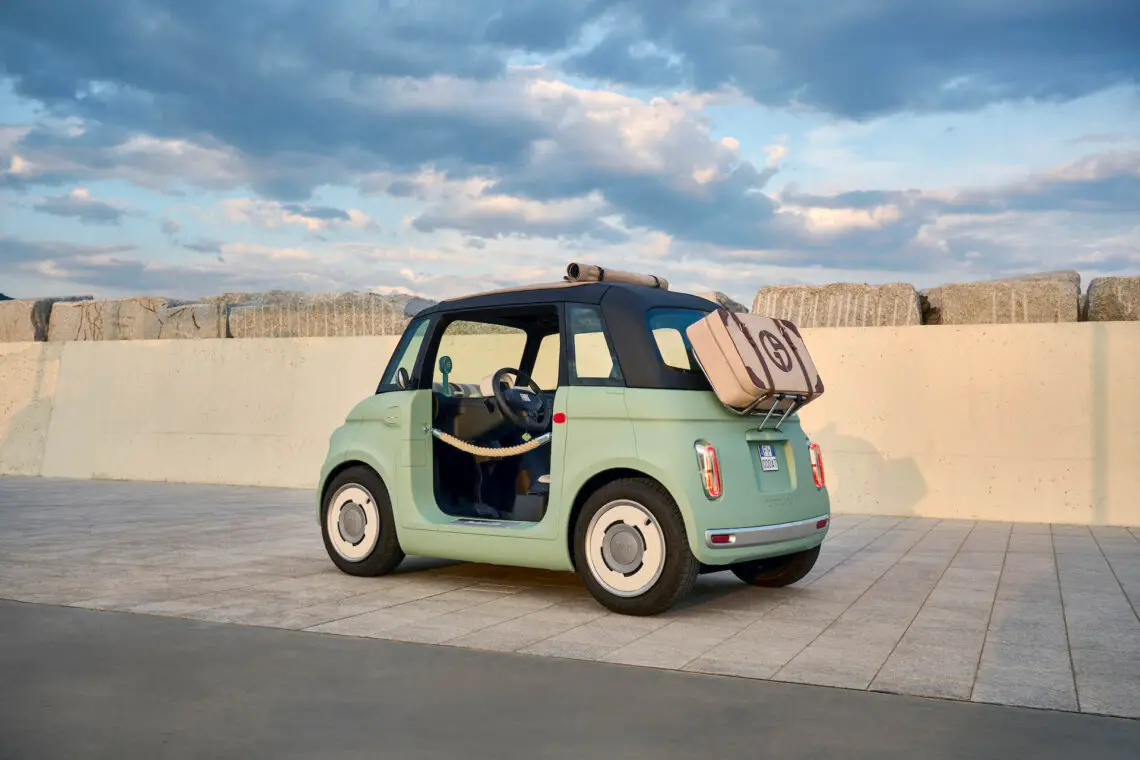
(622, 520)
(348, 537)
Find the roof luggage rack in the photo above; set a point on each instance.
(798, 402)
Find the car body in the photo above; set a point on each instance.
(639, 478)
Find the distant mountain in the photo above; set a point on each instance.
(5, 298)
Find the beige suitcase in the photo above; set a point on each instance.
(755, 364)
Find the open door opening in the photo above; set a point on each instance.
(496, 373)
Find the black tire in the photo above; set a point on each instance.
(680, 567)
(386, 555)
(776, 572)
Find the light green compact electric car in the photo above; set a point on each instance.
(568, 426)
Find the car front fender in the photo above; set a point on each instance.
(345, 448)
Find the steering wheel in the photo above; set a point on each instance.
(529, 411)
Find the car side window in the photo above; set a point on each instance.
(668, 328)
(545, 372)
(405, 355)
(477, 350)
(592, 361)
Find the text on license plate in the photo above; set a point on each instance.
(768, 461)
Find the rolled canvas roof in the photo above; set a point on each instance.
(576, 272)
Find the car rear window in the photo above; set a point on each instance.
(668, 329)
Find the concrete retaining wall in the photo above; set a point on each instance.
(1028, 422)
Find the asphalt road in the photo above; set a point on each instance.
(78, 683)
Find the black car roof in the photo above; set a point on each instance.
(575, 292)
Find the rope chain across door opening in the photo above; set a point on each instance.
(483, 451)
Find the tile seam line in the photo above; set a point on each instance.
(850, 555)
(884, 532)
(925, 599)
(990, 615)
(1115, 577)
(346, 599)
(244, 588)
(878, 578)
(1065, 615)
(415, 622)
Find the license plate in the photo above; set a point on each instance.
(768, 461)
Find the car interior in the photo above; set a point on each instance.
(495, 388)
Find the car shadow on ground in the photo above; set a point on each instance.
(709, 589)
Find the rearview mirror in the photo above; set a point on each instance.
(445, 368)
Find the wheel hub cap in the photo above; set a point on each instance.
(352, 523)
(623, 548)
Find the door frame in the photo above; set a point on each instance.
(423, 488)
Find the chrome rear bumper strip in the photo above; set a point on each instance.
(766, 534)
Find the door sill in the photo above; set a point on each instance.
(486, 522)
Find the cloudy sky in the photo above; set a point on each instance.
(180, 148)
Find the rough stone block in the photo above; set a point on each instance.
(27, 320)
(1112, 299)
(300, 315)
(126, 319)
(234, 298)
(720, 299)
(197, 320)
(840, 304)
(1043, 297)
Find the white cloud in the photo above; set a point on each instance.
(274, 215)
(832, 221)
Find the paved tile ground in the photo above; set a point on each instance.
(1030, 615)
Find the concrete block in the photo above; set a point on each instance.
(29, 376)
(1042, 297)
(1111, 299)
(280, 314)
(125, 319)
(840, 304)
(720, 299)
(27, 320)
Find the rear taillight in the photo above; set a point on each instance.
(709, 467)
(817, 466)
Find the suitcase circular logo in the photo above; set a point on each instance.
(776, 351)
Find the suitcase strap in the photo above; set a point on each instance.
(783, 323)
(726, 315)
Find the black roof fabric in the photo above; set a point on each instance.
(591, 292)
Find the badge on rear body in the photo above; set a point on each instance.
(768, 461)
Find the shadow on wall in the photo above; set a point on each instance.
(862, 480)
(23, 438)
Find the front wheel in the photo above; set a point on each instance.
(630, 548)
(357, 524)
(775, 572)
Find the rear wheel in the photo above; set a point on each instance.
(630, 548)
(773, 572)
(357, 524)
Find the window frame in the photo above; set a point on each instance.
(515, 332)
(694, 368)
(440, 322)
(387, 382)
(571, 348)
